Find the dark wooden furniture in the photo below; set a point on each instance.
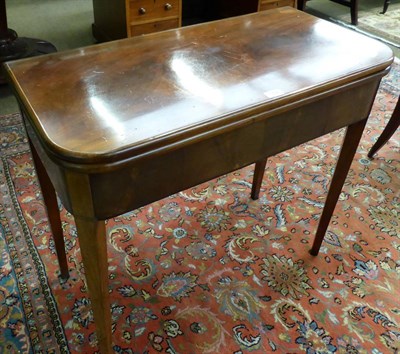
(390, 129)
(189, 104)
(352, 4)
(386, 4)
(126, 18)
(13, 47)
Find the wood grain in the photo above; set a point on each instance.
(189, 104)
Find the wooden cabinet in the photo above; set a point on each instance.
(146, 16)
(125, 18)
(271, 4)
(115, 19)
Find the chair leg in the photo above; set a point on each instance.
(257, 178)
(53, 213)
(385, 6)
(301, 4)
(389, 130)
(354, 12)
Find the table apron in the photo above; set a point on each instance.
(142, 181)
(151, 179)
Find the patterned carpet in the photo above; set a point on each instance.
(382, 26)
(387, 25)
(208, 270)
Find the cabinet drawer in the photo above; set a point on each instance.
(272, 4)
(154, 26)
(149, 10)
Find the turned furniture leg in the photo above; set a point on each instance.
(349, 148)
(93, 245)
(53, 212)
(257, 178)
(389, 130)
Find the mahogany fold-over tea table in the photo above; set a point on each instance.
(119, 125)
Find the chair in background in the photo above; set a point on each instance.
(386, 4)
(353, 4)
(389, 130)
(13, 47)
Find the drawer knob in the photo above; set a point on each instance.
(167, 6)
(142, 11)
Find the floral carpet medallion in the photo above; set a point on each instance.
(209, 270)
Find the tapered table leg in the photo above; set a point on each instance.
(93, 245)
(257, 178)
(389, 130)
(53, 212)
(349, 148)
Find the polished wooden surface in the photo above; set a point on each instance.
(188, 104)
(108, 102)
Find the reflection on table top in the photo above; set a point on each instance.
(134, 95)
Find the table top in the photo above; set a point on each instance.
(112, 101)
